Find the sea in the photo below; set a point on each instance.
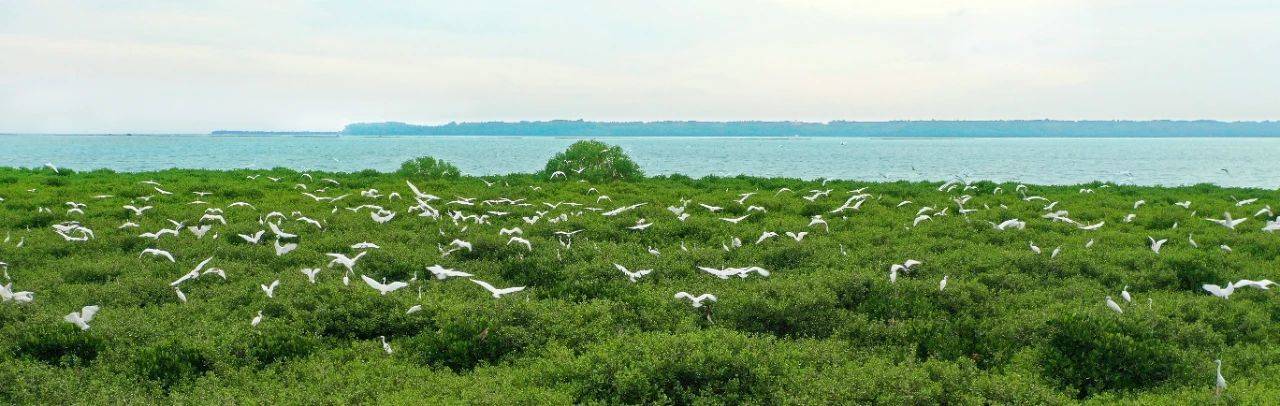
(1239, 162)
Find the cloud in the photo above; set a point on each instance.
(197, 66)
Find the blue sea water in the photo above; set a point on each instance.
(1251, 162)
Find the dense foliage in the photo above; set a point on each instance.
(428, 168)
(826, 326)
(592, 161)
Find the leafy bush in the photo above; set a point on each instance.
(593, 161)
(171, 363)
(1102, 352)
(59, 344)
(277, 344)
(428, 168)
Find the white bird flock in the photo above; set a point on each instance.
(470, 224)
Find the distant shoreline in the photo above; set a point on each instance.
(787, 129)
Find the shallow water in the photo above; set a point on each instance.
(1253, 162)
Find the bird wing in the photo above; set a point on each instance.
(509, 290)
(87, 312)
(202, 264)
(395, 285)
(1214, 289)
(372, 283)
(485, 285)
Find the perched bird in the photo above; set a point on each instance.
(943, 283)
(1112, 304)
(256, 319)
(385, 346)
(1124, 294)
(1219, 384)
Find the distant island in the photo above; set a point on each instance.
(938, 128)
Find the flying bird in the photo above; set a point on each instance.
(497, 293)
(383, 288)
(83, 317)
(696, 301)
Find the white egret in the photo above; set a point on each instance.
(1219, 384)
(527, 245)
(1219, 291)
(497, 293)
(83, 317)
(385, 346)
(696, 301)
(7, 294)
(632, 275)
(442, 273)
(270, 290)
(344, 261)
(1156, 244)
(275, 229)
(256, 319)
(285, 248)
(383, 288)
(157, 253)
(1227, 221)
(1113, 305)
(311, 274)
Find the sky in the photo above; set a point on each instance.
(197, 66)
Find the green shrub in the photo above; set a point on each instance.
(171, 363)
(278, 344)
(428, 168)
(1092, 353)
(59, 344)
(594, 161)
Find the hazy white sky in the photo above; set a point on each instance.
(195, 66)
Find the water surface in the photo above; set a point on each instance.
(1253, 162)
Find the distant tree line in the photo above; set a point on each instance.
(1011, 128)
